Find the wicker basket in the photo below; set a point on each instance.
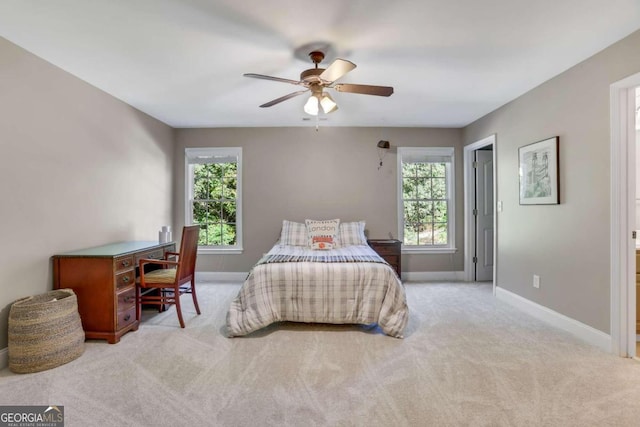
(44, 331)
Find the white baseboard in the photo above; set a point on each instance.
(221, 276)
(432, 276)
(4, 357)
(585, 332)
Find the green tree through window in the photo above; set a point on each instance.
(213, 196)
(425, 204)
(214, 203)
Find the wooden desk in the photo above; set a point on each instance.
(104, 280)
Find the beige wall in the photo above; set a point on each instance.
(78, 168)
(567, 245)
(298, 173)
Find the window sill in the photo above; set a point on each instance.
(422, 250)
(219, 251)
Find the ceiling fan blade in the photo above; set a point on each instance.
(337, 69)
(283, 98)
(364, 89)
(277, 79)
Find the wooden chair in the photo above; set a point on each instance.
(174, 279)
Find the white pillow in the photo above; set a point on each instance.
(293, 234)
(322, 234)
(352, 233)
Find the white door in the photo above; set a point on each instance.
(484, 215)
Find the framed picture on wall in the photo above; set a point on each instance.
(539, 167)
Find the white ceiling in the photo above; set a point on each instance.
(450, 62)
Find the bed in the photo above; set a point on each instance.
(343, 283)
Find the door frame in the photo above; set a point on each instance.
(622, 250)
(469, 197)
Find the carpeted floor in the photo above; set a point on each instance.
(467, 360)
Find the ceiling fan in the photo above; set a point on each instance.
(315, 80)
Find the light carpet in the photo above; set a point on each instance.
(467, 359)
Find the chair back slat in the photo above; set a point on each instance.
(188, 252)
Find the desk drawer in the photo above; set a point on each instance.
(155, 254)
(126, 318)
(123, 263)
(126, 300)
(125, 279)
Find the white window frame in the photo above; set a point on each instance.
(197, 155)
(404, 152)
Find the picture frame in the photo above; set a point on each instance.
(539, 167)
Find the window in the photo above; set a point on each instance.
(213, 197)
(426, 199)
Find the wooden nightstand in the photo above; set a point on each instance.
(390, 250)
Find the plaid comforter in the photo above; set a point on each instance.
(347, 285)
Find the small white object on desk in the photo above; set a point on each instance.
(164, 235)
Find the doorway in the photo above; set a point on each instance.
(483, 214)
(623, 216)
(637, 217)
(480, 219)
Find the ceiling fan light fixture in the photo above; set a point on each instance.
(320, 100)
(328, 104)
(312, 106)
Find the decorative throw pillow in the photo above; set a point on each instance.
(322, 242)
(293, 234)
(322, 234)
(352, 233)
